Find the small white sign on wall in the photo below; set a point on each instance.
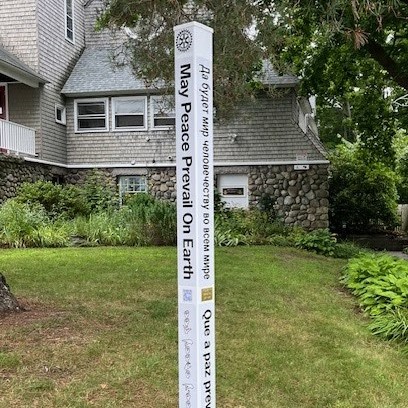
(233, 189)
(301, 167)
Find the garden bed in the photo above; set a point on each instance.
(381, 242)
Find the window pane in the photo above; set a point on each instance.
(91, 108)
(69, 25)
(69, 7)
(164, 122)
(163, 111)
(163, 105)
(133, 184)
(129, 106)
(129, 121)
(91, 123)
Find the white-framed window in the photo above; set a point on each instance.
(163, 114)
(91, 115)
(69, 20)
(131, 185)
(129, 113)
(60, 114)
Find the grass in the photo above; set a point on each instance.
(102, 332)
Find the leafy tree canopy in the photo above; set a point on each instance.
(353, 54)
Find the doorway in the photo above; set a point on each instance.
(3, 102)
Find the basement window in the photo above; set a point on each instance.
(129, 185)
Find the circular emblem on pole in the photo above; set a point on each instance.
(184, 40)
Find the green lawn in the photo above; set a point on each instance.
(102, 332)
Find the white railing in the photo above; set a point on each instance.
(17, 138)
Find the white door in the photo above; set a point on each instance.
(233, 189)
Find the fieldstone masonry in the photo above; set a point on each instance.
(104, 176)
(162, 183)
(15, 171)
(301, 196)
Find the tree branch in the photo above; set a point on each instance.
(379, 54)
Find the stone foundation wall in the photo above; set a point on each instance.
(301, 196)
(162, 183)
(15, 171)
(106, 177)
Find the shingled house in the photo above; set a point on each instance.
(66, 109)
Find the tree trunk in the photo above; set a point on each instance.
(8, 303)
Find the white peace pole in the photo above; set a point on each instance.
(195, 224)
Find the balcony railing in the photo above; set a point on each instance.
(16, 138)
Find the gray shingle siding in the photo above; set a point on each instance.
(57, 57)
(101, 38)
(18, 30)
(265, 132)
(24, 105)
(261, 132)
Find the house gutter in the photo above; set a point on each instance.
(171, 164)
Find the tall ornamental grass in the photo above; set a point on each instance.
(142, 221)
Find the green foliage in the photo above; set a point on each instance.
(225, 236)
(101, 229)
(267, 205)
(381, 286)
(50, 235)
(19, 223)
(380, 282)
(392, 325)
(28, 225)
(252, 226)
(352, 54)
(150, 221)
(320, 241)
(98, 195)
(348, 250)
(401, 168)
(362, 197)
(402, 185)
(143, 221)
(57, 200)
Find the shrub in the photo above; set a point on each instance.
(348, 250)
(255, 225)
(57, 201)
(98, 195)
(224, 236)
(320, 241)
(381, 286)
(363, 197)
(380, 282)
(282, 240)
(267, 205)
